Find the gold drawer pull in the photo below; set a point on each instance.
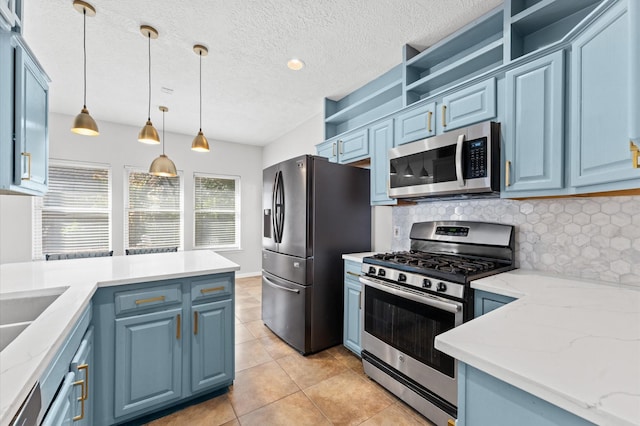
(634, 154)
(81, 399)
(195, 322)
(211, 290)
(429, 114)
(507, 174)
(150, 300)
(28, 155)
(353, 273)
(444, 116)
(178, 326)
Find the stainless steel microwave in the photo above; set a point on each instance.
(464, 162)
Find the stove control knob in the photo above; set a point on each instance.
(381, 272)
(441, 287)
(372, 270)
(426, 283)
(402, 278)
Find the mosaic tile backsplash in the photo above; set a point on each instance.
(593, 238)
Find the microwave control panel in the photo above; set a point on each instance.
(476, 156)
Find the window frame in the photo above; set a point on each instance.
(37, 206)
(125, 202)
(237, 210)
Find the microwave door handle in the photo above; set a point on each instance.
(459, 174)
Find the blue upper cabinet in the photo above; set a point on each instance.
(11, 15)
(381, 139)
(24, 127)
(353, 146)
(470, 105)
(601, 70)
(634, 67)
(416, 123)
(533, 128)
(328, 149)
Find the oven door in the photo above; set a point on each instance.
(400, 327)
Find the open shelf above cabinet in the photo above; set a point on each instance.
(471, 51)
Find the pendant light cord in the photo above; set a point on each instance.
(201, 90)
(149, 110)
(163, 132)
(84, 52)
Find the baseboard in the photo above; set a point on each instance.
(249, 274)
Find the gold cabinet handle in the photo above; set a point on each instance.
(429, 115)
(507, 174)
(353, 273)
(333, 149)
(81, 399)
(444, 116)
(195, 322)
(211, 289)
(634, 154)
(178, 326)
(28, 155)
(341, 146)
(150, 300)
(85, 388)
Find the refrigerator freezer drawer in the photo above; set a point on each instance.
(292, 268)
(284, 307)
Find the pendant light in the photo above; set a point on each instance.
(148, 134)
(163, 166)
(84, 124)
(200, 142)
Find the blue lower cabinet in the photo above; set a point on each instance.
(82, 366)
(352, 332)
(485, 302)
(61, 411)
(485, 400)
(148, 361)
(212, 342)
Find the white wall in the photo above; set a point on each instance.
(117, 145)
(303, 140)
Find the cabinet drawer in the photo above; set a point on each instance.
(145, 299)
(352, 270)
(211, 287)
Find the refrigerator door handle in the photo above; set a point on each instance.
(274, 285)
(278, 207)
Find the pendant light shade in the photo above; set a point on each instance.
(84, 124)
(200, 142)
(163, 166)
(148, 134)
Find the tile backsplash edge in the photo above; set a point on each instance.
(594, 238)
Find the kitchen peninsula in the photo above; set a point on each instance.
(28, 357)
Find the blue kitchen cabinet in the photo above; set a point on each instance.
(11, 15)
(534, 128)
(485, 302)
(148, 361)
(485, 400)
(212, 343)
(467, 106)
(601, 72)
(352, 333)
(417, 123)
(381, 138)
(24, 126)
(328, 149)
(353, 146)
(61, 412)
(82, 366)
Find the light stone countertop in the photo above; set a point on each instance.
(573, 343)
(25, 359)
(357, 257)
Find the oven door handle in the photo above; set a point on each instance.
(459, 174)
(432, 301)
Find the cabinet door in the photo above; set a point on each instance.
(328, 149)
(416, 124)
(381, 137)
(7, 18)
(31, 122)
(352, 323)
(353, 147)
(148, 362)
(468, 106)
(61, 412)
(485, 302)
(534, 127)
(81, 366)
(212, 360)
(599, 100)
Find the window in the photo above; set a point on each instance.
(153, 210)
(75, 213)
(216, 211)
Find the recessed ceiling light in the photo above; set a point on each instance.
(295, 64)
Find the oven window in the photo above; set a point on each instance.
(408, 326)
(433, 166)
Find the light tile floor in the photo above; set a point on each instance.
(275, 385)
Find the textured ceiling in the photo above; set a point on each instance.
(249, 95)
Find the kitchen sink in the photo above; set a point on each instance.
(17, 312)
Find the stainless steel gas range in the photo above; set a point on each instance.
(411, 297)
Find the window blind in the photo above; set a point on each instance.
(153, 211)
(217, 211)
(75, 213)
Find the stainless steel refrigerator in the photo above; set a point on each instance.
(313, 212)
